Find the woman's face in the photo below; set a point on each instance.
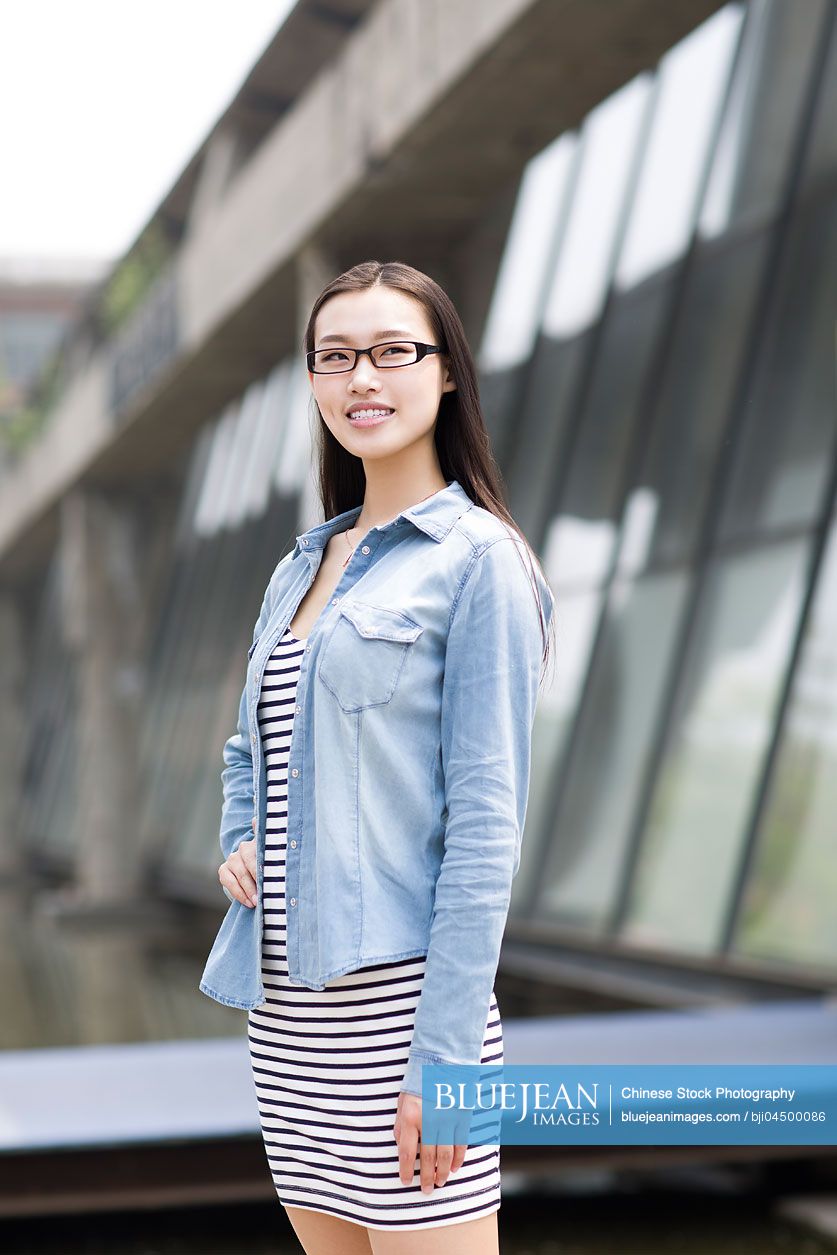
(361, 319)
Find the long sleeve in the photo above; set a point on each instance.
(490, 688)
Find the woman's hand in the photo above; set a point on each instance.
(436, 1161)
(239, 872)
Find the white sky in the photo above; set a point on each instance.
(102, 102)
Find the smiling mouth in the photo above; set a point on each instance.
(369, 417)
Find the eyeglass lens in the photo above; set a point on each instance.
(394, 353)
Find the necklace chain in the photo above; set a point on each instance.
(351, 529)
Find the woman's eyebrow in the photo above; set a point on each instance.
(379, 335)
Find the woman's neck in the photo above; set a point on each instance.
(366, 519)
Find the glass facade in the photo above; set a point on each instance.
(678, 473)
(658, 369)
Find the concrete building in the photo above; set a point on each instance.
(634, 206)
(39, 300)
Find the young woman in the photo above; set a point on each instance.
(402, 643)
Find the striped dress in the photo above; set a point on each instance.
(327, 1064)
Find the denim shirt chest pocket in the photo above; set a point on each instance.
(363, 660)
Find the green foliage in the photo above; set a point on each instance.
(132, 278)
(122, 294)
(19, 427)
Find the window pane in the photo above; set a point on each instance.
(761, 120)
(520, 291)
(693, 405)
(821, 158)
(543, 414)
(576, 620)
(721, 727)
(609, 138)
(610, 750)
(692, 80)
(584, 533)
(783, 457)
(790, 902)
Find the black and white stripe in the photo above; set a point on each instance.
(327, 1064)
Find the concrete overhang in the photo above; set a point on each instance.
(393, 151)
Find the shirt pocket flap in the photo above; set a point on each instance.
(381, 622)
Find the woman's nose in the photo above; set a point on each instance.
(364, 374)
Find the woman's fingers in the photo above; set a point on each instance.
(230, 881)
(407, 1129)
(247, 853)
(239, 873)
(407, 1151)
(436, 1162)
(428, 1168)
(444, 1164)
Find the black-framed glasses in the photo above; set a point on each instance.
(385, 356)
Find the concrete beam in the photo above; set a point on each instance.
(396, 149)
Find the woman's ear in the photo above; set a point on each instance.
(450, 383)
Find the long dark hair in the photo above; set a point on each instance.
(460, 436)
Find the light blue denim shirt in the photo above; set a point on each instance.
(408, 769)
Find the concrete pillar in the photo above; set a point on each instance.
(12, 727)
(314, 269)
(103, 621)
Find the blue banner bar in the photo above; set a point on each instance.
(637, 1104)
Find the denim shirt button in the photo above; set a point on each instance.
(334, 600)
(293, 845)
(294, 771)
(293, 901)
(365, 549)
(297, 709)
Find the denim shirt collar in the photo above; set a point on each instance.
(435, 516)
